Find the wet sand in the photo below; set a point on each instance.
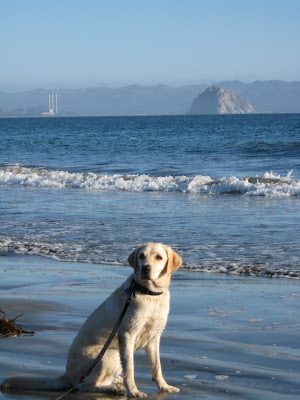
(227, 337)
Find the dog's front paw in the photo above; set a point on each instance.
(169, 389)
(136, 394)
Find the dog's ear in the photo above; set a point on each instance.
(132, 259)
(174, 260)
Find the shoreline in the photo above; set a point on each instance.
(227, 336)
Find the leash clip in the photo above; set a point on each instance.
(82, 379)
(131, 293)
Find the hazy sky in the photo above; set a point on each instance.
(71, 43)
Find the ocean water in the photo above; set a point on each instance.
(221, 190)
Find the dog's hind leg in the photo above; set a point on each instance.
(106, 376)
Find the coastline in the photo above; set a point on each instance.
(226, 337)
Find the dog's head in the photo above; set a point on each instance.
(153, 264)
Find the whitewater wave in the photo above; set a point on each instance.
(270, 184)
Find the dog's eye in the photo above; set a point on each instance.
(142, 255)
(158, 257)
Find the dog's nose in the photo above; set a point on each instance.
(146, 269)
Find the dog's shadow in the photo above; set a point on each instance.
(40, 395)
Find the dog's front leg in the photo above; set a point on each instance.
(152, 351)
(126, 344)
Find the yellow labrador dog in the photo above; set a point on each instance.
(142, 326)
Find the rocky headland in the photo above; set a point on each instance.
(217, 100)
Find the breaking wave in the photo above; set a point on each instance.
(269, 184)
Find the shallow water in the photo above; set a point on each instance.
(222, 190)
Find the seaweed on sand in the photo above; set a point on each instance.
(9, 328)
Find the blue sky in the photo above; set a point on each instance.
(71, 43)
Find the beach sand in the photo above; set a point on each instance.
(227, 337)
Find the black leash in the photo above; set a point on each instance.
(135, 287)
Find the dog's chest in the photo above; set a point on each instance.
(151, 320)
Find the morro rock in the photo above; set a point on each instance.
(216, 100)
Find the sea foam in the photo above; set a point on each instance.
(85, 253)
(270, 184)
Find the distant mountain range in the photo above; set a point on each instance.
(264, 96)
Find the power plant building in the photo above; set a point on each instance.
(52, 111)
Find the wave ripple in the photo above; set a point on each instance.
(83, 253)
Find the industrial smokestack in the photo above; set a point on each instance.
(56, 102)
(52, 104)
(49, 102)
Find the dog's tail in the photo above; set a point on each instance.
(27, 383)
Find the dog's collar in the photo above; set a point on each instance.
(136, 287)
